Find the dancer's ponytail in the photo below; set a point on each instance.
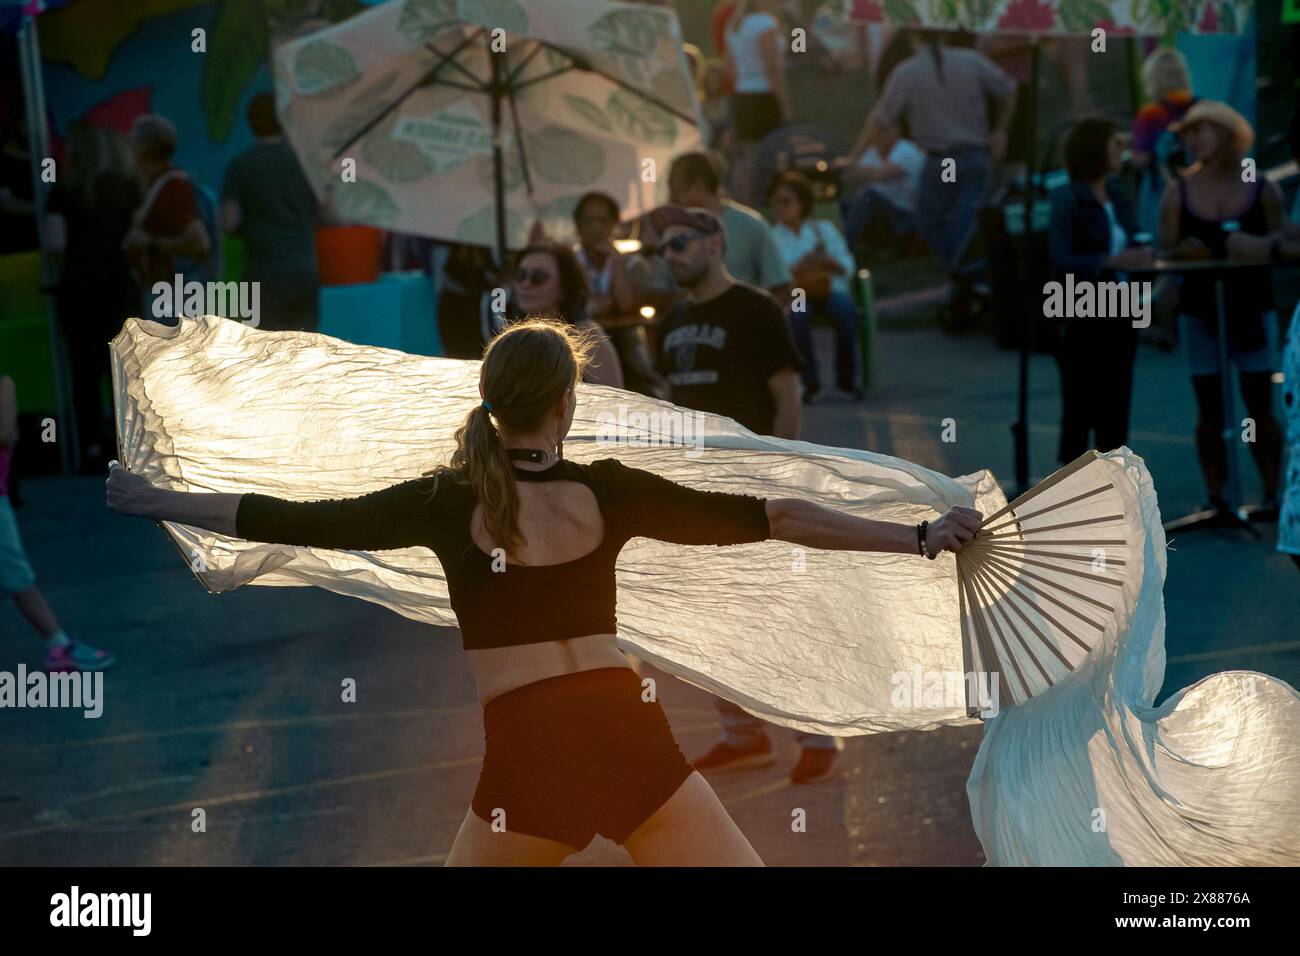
(525, 370)
(488, 469)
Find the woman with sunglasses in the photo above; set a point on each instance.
(549, 281)
(529, 541)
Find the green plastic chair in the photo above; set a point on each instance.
(24, 332)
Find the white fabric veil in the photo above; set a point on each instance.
(834, 642)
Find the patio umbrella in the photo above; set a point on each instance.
(468, 119)
(1039, 18)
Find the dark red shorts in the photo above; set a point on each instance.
(572, 756)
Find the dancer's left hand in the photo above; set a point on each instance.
(953, 531)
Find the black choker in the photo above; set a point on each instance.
(535, 455)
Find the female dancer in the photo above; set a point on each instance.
(528, 541)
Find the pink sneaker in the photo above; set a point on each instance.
(77, 657)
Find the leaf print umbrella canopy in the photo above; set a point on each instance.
(468, 119)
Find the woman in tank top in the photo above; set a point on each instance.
(1213, 200)
(755, 64)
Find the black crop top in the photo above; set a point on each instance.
(525, 604)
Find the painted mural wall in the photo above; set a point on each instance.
(108, 61)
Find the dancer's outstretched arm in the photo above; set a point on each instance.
(135, 495)
(394, 517)
(815, 526)
(663, 509)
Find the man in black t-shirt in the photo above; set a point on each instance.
(728, 349)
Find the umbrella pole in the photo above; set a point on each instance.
(496, 91)
(29, 52)
(1020, 429)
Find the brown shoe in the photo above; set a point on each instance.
(815, 763)
(725, 756)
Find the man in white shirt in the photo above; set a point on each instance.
(823, 271)
(878, 196)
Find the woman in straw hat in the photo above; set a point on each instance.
(1217, 196)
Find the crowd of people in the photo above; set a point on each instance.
(949, 124)
(122, 216)
(627, 299)
(1208, 212)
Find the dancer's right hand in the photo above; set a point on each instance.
(953, 531)
(126, 493)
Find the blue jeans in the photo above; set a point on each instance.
(871, 209)
(945, 211)
(844, 313)
(741, 729)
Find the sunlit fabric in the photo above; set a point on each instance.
(843, 643)
(1088, 773)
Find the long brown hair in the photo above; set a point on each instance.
(525, 370)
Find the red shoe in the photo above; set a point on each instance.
(77, 657)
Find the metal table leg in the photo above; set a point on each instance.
(1226, 517)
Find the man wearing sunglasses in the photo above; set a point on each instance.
(728, 349)
(752, 254)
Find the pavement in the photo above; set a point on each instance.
(231, 704)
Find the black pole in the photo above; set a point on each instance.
(496, 91)
(1020, 429)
